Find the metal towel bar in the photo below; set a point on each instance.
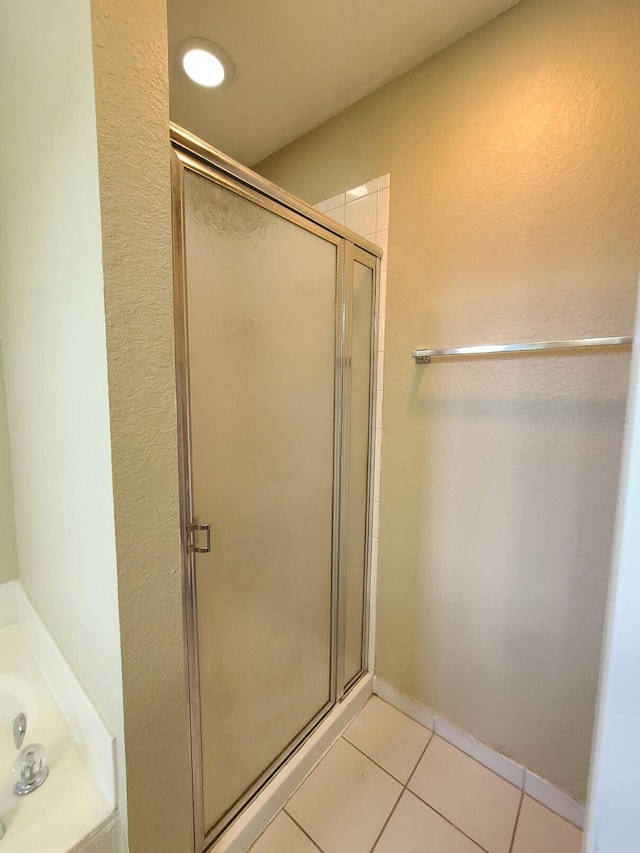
(424, 356)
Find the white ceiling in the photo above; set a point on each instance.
(299, 62)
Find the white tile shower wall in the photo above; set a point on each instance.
(365, 210)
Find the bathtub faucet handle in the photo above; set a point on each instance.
(31, 769)
(19, 729)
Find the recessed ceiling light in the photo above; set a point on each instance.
(203, 67)
(205, 63)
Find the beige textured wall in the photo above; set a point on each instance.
(132, 103)
(53, 336)
(8, 552)
(514, 216)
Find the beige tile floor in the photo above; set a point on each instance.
(389, 785)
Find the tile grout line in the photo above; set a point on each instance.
(513, 837)
(301, 828)
(429, 806)
(404, 788)
(437, 717)
(379, 766)
(522, 790)
(549, 809)
(477, 761)
(422, 755)
(444, 817)
(390, 815)
(449, 821)
(526, 771)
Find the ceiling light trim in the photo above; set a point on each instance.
(197, 43)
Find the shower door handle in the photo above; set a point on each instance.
(192, 529)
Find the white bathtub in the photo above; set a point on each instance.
(68, 810)
(16, 696)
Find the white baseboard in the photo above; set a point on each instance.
(499, 764)
(534, 786)
(239, 837)
(554, 799)
(420, 713)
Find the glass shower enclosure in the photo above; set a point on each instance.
(275, 343)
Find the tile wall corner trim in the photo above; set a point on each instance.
(534, 786)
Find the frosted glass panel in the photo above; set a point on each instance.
(357, 489)
(261, 313)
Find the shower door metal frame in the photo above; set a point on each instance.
(191, 154)
(353, 254)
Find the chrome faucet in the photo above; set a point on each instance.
(31, 769)
(19, 729)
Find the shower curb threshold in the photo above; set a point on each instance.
(241, 834)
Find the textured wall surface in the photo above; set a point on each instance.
(8, 552)
(515, 216)
(130, 63)
(53, 334)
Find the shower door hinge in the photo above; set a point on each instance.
(192, 530)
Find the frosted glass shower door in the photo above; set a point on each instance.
(261, 297)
